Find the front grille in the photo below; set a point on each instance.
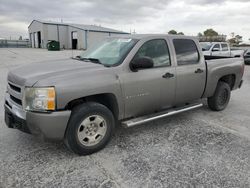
(16, 100)
(15, 88)
(7, 103)
(15, 93)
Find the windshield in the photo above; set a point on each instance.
(205, 46)
(111, 51)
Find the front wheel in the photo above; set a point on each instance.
(221, 97)
(89, 129)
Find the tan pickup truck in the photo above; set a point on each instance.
(128, 80)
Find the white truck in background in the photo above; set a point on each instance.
(220, 49)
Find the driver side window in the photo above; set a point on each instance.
(216, 46)
(157, 50)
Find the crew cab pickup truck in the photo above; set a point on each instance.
(247, 57)
(129, 80)
(220, 49)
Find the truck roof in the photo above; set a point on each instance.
(215, 42)
(145, 36)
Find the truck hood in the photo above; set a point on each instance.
(30, 74)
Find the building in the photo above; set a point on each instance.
(70, 36)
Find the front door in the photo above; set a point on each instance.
(149, 90)
(190, 70)
(216, 50)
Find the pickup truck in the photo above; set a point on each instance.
(220, 49)
(125, 80)
(247, 57)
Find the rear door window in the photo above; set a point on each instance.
(186, 51)
(224, 47)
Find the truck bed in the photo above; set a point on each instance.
(219, 66)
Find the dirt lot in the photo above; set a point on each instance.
(199, 148)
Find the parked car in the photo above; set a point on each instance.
(220, 49)
(247, 57)
(132, 79)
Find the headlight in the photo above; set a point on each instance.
(39, 99)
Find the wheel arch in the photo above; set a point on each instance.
(107, 99)
(213, 81)
(229, 79)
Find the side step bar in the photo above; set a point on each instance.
(148, 118)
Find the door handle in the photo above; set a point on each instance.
(199, 71)
(168, 75)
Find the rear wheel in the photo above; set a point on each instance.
(89, 129)
(221, 97)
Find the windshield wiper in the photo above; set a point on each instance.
(92, 60)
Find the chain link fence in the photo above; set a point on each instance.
(14, 43)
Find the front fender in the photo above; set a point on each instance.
(79, 85)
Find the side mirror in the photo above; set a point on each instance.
(141, 63)
(215, 49)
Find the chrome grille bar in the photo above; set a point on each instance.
(15, 93)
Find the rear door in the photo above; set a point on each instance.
(190, 70)
(225, 50)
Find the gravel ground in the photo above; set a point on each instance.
(198, 148)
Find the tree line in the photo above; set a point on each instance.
(210, 35)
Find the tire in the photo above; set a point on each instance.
(90, 128)
(221, 97)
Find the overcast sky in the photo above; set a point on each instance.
(143, 16)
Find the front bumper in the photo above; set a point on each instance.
(50, 126)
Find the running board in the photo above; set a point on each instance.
(148, 118)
